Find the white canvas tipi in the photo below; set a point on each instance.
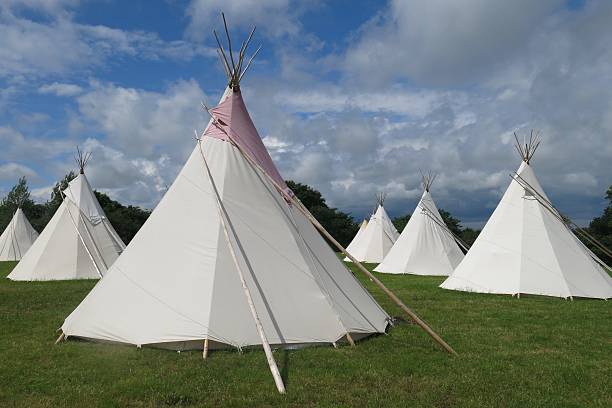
(525, 247)
(17, 238)
(225, 261)
(374, 242)
(78, 242)
(426, 246)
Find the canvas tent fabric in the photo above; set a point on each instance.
(526, 249)
(176, 284)
(358, 236)
(17, 238)
(78, 242)
(425, 246)
(376, 240)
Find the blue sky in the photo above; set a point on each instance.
(350, 97)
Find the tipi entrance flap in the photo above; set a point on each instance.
(343, 290)
(286, 290)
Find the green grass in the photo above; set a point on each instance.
(528, 352)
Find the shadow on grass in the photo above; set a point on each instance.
(284, 370)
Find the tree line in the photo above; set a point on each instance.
(127, 220)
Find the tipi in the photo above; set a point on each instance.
(225, 260)
(17, 238)
(78, 242)
(426, 246)
(379, 235)
(526, 247)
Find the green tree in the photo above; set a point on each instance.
(126, 220)
(469, 235)
(19, 196)
(601, 229)
(451, 222)
(339, 224)
(400, 222)
(56, 193)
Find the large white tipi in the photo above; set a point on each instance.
(426, 246)
(17, 238)
(225, 260)
(374, 242)
(526, 247)
(78, 242)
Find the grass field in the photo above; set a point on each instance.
(528, 352)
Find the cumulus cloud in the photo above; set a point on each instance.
(129, 178)
(398, 100)
(145, 123)
(440, 42)
(274, 17)
(18, 147)
(12, 171)
(422, 86)
(60, 89)
(58, 45)
(546, 74)
(50, 7)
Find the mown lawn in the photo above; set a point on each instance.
(528, 352)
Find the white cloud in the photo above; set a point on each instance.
(274, 17)
(51, 7)
(41, 194)
(398, 100)
(12, 171)
(442, 42)
(145, 123)
(495, 68)
(59, 45)
(132, 179)
(17, 147)
(60, 89)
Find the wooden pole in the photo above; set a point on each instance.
(205, 349)
(247, 293)
(350, 339)
(60, 338)
(323, 231)
(374, 279)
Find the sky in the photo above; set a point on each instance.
(352, 98)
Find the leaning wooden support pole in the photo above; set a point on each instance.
(247, 293)
(374, 279)
(60, 338)
(298, 204)
(350, 339)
